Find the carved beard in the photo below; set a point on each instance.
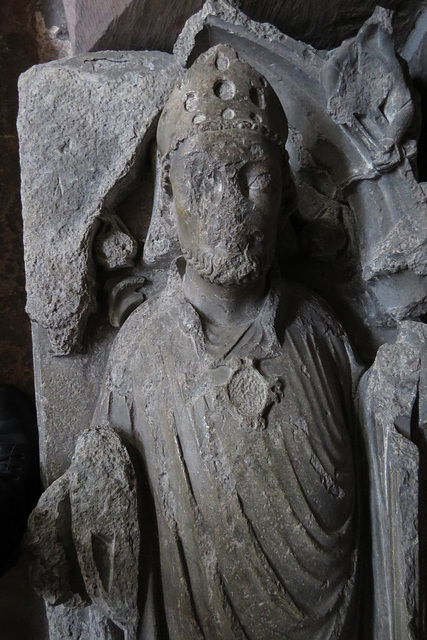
(238, 269)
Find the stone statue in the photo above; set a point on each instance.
(235, 389)
(240, 478)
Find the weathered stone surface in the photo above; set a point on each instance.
(389, 399)
(105, 530)
(49, 536)
(84, 538)
(415, 53)
(333, 255)
(91, 124)
(51, 30)
(368, 95)
(219, 379)
(209, 382)
(230, 384)
(344, 171)
(78, 380)
(114, 247)
(415, 49)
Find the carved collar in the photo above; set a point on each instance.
(257, 342)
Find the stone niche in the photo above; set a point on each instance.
(100, 236)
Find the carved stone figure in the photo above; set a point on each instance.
(240, 479)
(235, 389)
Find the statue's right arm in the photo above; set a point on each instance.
(90, 511)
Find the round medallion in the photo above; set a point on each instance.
(248, 391)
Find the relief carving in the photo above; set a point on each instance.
(245, 474)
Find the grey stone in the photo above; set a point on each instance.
(114, 247)
(212, 391)
(221, 395)
(105, 529)
(414, 50)
(235, 389)
(75, 379)
(84, 538)
(133, 24)
(51, 33)
(389, 402)
(368, 94)
(91, 128)
(355, 165)
(49, 537)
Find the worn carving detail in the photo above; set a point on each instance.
(248, 392)
(54, 572)
(84, 536)
(368, 97)
(366, 91)
(105, 525)
(389, 394)
(208, 385)
(91, 126)
(114, 247)
(269, 463)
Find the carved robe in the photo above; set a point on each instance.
(250, 461)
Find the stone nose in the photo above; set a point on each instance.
(233, 185)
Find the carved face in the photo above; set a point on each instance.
(227, 192)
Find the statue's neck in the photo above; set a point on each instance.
(224, 305)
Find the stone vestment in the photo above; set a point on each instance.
(250, 461)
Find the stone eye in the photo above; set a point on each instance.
(254, 178)
(213, 187)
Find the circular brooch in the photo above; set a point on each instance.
(249, 393)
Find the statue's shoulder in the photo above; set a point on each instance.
(312, 324)
(137, 337)
(308, 312)
(147, 320)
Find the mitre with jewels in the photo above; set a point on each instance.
(221, 91)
